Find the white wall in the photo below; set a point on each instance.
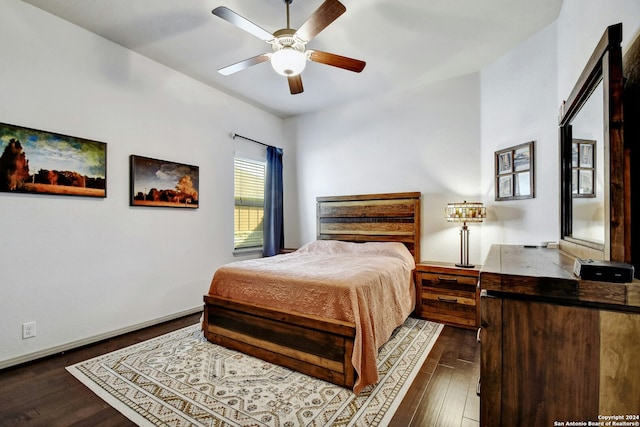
(580, 26)
(425, 139)
(521, 96)
(518, 106)
(82, 267)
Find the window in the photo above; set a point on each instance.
(249, 177)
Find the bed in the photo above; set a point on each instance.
(333, 337)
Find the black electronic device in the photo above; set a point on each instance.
(603, 271)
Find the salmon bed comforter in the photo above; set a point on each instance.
(369, 284)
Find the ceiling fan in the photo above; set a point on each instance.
(289, 54)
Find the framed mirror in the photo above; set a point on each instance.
(594, 227)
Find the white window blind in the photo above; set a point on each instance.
(249, 177)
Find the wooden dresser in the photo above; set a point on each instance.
(554, 348)
(448, 294)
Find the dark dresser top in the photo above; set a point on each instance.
(541, 273)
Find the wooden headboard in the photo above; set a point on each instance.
(389, 217)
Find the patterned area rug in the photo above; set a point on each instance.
(180, 379)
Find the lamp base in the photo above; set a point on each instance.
(465, 265)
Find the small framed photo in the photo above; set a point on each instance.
(505, 186)
(583, 170)
(586, 155)
(515, 172)
(504, 163)
(586, 182)
(522, 159)
(523, 184)
(160, 183)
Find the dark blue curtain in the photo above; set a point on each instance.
(273, 207)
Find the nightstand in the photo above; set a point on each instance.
(287, 250)
(448, 294)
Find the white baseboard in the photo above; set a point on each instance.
(90, 340)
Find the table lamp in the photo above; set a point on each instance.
(465, 212)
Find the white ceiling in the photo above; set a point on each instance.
(405, 43)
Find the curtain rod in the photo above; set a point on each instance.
(234, 135)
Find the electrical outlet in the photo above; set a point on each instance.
(28, 330)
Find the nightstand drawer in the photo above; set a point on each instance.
(463, 298)
(452, 319)
(447, 294)
(448, 309)
(448, 281)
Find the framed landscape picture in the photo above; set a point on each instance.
(514, 172)
(41, 162)
(160, 183)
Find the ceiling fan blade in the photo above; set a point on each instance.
(328, 12)
(295, 84)
(242, 23)
(334, 60)
(242, 65)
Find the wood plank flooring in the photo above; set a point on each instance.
(444, 392)
(43, 393)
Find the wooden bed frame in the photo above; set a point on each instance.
(316, 346)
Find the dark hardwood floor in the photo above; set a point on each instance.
(43, 393)
(444, 392)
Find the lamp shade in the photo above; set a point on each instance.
(465, 212)
(288, 61)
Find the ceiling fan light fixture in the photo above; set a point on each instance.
(288, 61)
